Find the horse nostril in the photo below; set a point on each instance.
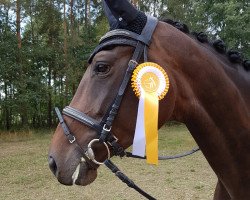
(52, 165)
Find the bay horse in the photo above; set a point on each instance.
(208, 92)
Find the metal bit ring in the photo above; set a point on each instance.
(90, 153)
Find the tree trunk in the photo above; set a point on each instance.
(49, 97)
(66, 45)
(154, 8)
(6, 109)
(18, 22)
(86, 13)
(31, 22)
(65, 31)
(22, 89)
(71, 16)
(50, 65)
(79, 18)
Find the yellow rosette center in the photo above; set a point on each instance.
(150, 82)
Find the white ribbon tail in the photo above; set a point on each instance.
(139, 143)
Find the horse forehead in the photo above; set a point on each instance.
(113, 53)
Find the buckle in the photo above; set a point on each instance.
(132, 64)
(118, 150)
(106, 129)
(105, 132)
(112, 139)
(73, 140)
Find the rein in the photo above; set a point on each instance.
(103, 129)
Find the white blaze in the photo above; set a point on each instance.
(76, 173)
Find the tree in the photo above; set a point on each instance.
(45, 46)
(8, 66)
(228, 20)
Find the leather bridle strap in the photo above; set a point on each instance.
(117, 37)
(126, 179)
(103, 129)
(117, 102)
(82, 117)
(65, 128)
(72, 139)
(187, 153)
(90, 122)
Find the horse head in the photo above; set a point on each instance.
(207, 93)
(96, 92)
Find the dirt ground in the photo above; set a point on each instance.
(25, 175)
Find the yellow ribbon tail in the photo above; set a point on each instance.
(151, 106)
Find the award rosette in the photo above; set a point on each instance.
(150, 83)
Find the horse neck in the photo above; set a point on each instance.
(208, 102)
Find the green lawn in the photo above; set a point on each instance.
(24, 172)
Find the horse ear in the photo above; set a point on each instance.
(113, 23)
(120, 12)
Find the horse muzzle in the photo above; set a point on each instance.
(79, 174)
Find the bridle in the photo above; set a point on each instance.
(103, 129)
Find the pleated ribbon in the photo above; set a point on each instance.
(150, 83)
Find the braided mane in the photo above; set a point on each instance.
(234, 56)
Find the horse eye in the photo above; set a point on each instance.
(102, 68)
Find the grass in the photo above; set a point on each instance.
(25, 175)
